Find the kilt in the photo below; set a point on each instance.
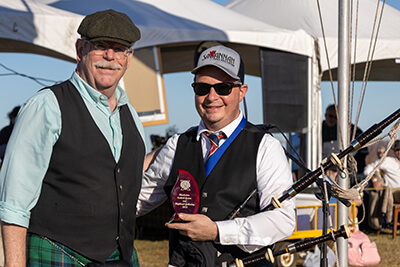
(40, 253)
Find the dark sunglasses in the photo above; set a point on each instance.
(332, 116)
(224, 88)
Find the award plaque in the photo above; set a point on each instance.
(185, 195)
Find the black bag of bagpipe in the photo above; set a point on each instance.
(189, 253)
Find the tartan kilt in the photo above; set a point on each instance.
(40, 253)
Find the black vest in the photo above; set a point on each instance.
(228, 184)
(88, 201)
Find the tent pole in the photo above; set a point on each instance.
(343, 102)
(310, 133)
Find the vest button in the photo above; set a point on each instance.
(118, 170)
(204, 210)
(121, 203)
(122, 219)
(117, 238)
(120, 187)
(204, 194)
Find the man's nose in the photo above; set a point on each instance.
(212, 94)
(109, 53)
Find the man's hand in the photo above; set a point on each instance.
(14, 239)
(197, 227)
(377, 183)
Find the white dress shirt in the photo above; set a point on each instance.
(391, 168)
(273, 178)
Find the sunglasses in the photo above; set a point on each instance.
(332, 116)
(224, 88)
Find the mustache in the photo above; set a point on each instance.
(107, 65)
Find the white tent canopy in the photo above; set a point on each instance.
(304, 15)
(31, 27)
(161, 22)
(172, 29)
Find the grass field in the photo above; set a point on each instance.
(155, 253)
(388, 248)
(152, 253)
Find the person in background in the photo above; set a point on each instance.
(73, 170)
(380, 151)
(5, 133)
(331, 142)
(389, 171)
(229, 158)
(386, 187)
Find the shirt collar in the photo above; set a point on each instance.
(92, 94)
(227, 130)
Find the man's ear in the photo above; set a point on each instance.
(243, 91)
(79, 46)
(129, 59)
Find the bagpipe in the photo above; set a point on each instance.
(292, 248)
(334, 159)
(305, 181)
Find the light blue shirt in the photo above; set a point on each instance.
(30, 147)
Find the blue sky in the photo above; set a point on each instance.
(382, 98)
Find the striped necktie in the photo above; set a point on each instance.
(214, 140)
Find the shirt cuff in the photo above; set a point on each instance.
(10, 215)
(227, 231)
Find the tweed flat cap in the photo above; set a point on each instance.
(109, 25)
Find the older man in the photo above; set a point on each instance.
(72, 173)
(390, 168)
(388, 176)
(229, 158)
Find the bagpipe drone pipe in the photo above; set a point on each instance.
(295, 247)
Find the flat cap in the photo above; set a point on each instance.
(109, 25)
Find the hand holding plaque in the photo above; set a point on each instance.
(184, 195)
